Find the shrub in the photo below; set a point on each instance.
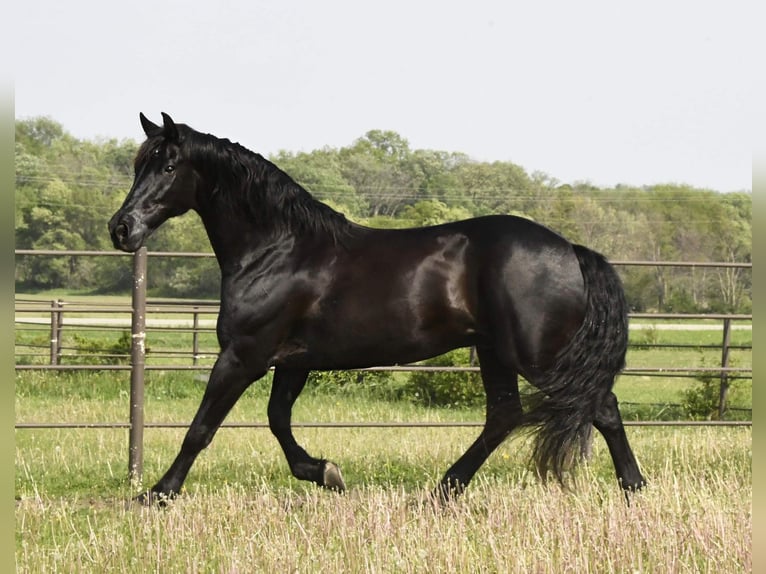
(373, 383)
(100, 352)
(702, 401)
(454, 389)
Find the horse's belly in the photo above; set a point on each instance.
(373, 348)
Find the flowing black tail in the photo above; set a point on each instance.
(575, 387)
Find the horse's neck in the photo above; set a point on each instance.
(236, 238)
(235, 232)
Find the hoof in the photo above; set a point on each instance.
(151, 498)
(629, 490)
(448, 491)
(634, 486)
(332, 478)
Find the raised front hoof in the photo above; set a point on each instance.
(332, 479)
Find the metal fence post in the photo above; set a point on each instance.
(59, 329)
(55, 332)
(724, 392)
(137, 361)
(195, 336)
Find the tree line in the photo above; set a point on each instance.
(67, 188)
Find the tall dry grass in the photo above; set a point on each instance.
(694, 517)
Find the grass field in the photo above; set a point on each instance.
(243, 512)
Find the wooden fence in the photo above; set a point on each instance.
(53, 314)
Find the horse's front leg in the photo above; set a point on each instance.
(286, 387)
(228, 380)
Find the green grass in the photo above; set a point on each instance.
(173, 397)
(241, 510)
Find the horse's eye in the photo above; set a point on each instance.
(170, 168)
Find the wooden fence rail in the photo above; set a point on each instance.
(140, 307)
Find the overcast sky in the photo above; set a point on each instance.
(607, 92)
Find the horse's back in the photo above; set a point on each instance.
(500, 281)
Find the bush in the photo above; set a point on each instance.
(99, 352)
(373, 383)
(702, 401)
(453, 389)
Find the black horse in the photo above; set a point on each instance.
(304, 289)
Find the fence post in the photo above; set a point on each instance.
(137, 361)
(59, 329)
(55, 333)
(195, 336)
(724, 392)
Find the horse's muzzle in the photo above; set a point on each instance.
(125, 233)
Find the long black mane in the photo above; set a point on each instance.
(247, 182)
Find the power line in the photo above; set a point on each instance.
(411, 193)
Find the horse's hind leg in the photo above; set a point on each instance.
(285, 389)
(503, 415)
(609, 423)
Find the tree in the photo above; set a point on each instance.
(498, 187)
(38, 134)
(65, 193)
(432, 212)
(320, 172)
(732, 243)
(376, 167)
(435, 172)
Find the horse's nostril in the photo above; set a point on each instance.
(125, 233)
(122, 231)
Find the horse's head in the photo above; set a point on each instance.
(164, 186)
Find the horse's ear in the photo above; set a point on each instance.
(150, 128)
(170, 131)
